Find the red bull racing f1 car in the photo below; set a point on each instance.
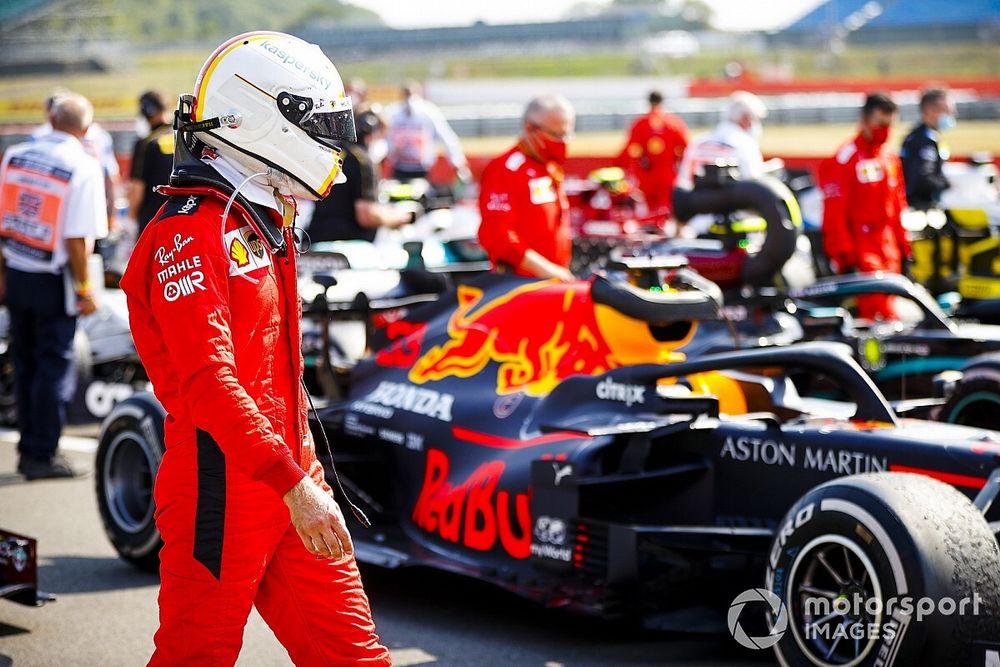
(571, 443)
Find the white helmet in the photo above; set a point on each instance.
(275, 103)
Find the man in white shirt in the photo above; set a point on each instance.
(734, 140)
(52, 208)
(416, 127)
(99, 144)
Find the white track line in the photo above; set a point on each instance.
(70, 443)
(401, 657)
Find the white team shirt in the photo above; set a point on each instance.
(727, 140)
(415, 127)
(98, 143)
(60, 175)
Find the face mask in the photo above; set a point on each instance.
(549, 149)
(555, 150)
(756, 129)
(946, 122)
(142, 128)
(880, 135)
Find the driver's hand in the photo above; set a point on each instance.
(319, 522)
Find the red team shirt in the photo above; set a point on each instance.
(864, 197)
(655, 146)
(523, 206)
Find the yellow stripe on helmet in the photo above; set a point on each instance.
(213, 61)
(327, 184)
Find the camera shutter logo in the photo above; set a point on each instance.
(777, 608)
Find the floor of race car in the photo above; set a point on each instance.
(106, 611)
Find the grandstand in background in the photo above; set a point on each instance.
(839, 22)
(613, 29)
(53, 36)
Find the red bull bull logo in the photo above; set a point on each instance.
(539, 334)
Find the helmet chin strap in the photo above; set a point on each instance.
(229, 205)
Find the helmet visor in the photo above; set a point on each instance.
(326, 121)
(328, 128)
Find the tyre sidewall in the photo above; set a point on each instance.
(854, 515)
(138, 420)
(982, 387)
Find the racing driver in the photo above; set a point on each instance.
(525, 213)
(241, 503)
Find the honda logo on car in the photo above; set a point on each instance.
(406, 397)
(628, 394)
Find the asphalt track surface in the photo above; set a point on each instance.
(105, 614)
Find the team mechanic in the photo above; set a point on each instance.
(525, 213)
(653, 151)
(214, 312)
(863, 199)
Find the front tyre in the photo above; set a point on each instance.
(129, 452)
(857, 561)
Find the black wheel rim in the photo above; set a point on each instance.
(832, 594)
(128, 481)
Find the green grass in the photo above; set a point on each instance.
(947, 60)
(114, 93)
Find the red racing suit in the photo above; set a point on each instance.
(215, 318)
(523, 206)
(655, 146)
(863, 198)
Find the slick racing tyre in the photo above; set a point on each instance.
(976, 398)
(858, 561)
(128, 455)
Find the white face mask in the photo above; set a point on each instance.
(946, 122)
(142, 128)
(756, 129)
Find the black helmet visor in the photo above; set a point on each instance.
(326, 122)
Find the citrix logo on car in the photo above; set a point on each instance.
(628, 394)
(289, 59)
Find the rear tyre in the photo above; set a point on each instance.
(976, 399)
(850, 554)
(128, 455)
